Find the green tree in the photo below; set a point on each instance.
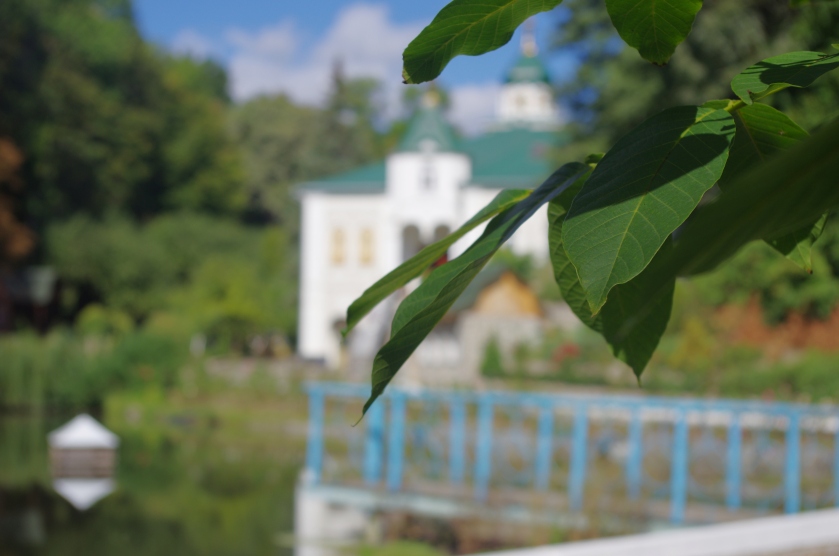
(105, 122)
(615, 89)
(284, 144)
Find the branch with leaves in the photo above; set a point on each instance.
(625, 225)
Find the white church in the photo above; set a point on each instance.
(359, 225)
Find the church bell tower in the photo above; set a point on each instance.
(527, 96)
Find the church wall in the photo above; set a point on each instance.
(424, 203)
(527, 102)
(531, 238)
(347, 244)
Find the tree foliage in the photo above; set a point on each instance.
(625, 227)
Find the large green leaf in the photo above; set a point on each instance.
(426, 305)
(762, 132)
(469, 27)
(420, 262)
(784, 195)
(794, 69)
(797, 246)
(654, 27)
(794, 188)
(631, 342)
(642, 190)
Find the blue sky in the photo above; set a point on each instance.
(272, 46)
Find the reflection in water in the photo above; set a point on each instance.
(189, 482)
(83, 493)
(82, 458)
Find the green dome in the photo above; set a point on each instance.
(529, 69)
(428, 126)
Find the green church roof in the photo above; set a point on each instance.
(517, 157)
(428, 125)
(529, 69)
(511, 158)
(367, 179)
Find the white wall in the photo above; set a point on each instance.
(411, 203)
(327, 288)
(527, 103)
(531, 238)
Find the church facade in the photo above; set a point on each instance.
(358, 226)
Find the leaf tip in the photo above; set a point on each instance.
(406, 77)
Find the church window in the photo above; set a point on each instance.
(338, 247)
(367, 247)
(411, 243)
(429, 177)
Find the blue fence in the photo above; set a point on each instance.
(694, 458)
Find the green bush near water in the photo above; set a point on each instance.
(67, 371)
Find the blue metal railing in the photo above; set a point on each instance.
(729, 454)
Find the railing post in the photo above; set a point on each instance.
(483, 450)
(579, 457)
(679, 469)
(314, 442)
(374, 445)
(635, 454)
(457, 440)
(792, 471)
(733, 464)
(836, 468)
(396, 441)
(544, 447)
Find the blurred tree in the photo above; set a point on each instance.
(104, 122)
(284, 144)
(615, 89)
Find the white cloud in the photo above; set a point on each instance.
(283, 58)
(362, 38)
(192, 43)
(473, 106)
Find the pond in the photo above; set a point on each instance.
(204, 477)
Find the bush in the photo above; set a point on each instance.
(492, 365)
(67, 371)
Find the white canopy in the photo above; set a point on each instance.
(83, 432)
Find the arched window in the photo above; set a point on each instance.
(339, 247)
(439, 233)
(367, 247)
(411, 243)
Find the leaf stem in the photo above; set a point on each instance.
(735, 105)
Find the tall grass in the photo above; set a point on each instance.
(67, 371)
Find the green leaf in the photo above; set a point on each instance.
(469, 27)
(632, 342)
(762, 132)
(797, 246)
(786, 194)
(642, 190)
(654, 27)
(426, 305)
(420, 262)
(794, 69)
